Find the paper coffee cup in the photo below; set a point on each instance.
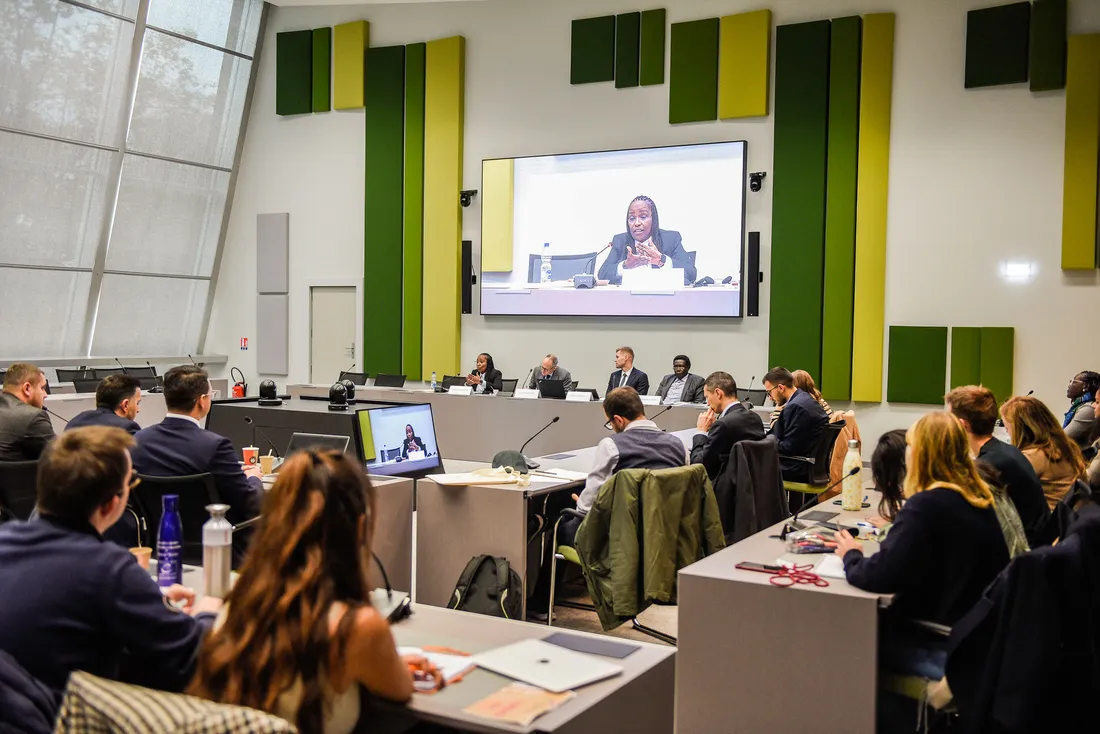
(251, 454)
(267, 464)
(143, 555)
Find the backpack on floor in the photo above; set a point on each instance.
(489, 586)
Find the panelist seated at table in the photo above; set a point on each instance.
(725, 422)
(413, 445)
(549, 369)
(298, 637)
(486, 378)
(25, 427)
(117, 403)
(645, 245)
(625, 374)
(681, 386)
(798, 426)
(69, 600)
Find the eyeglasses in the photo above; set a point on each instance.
(609, 425)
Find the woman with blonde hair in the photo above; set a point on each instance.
(944, 548)
(298, 635)
(1035, 431)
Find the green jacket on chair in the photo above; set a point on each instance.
(669, 515)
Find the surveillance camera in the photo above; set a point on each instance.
(756, 181)
(466, 197)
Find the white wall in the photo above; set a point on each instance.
(975, 180)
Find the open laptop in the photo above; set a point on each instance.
(552, 389)
(322, 441)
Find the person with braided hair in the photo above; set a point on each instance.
(1083, 390)
(645, 244)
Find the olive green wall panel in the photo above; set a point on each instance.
(798, 194)
(996, 45)
(592, 52)
(628, 28)
(998, 360)
(293, 73)
(384, 220)
(412, 295)
(966, 356)
(1048, 45)
(744, 64)
(840, 210)
(652, 54)
(693, 72)
(322, 69)
(349, 46)
(917, 369)
(1082, 150)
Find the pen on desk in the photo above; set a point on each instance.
(544, 474)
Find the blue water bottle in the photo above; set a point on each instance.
(170, 543)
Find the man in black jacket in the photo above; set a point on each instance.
(25, 428)
(726, 421)
(799, 425)
(117, 403)
(626, 375)
(72, 601)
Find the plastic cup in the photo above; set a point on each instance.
(143, 555)
(267, 464)
(251, 454)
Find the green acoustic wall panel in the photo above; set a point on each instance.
(1048, 45)
(744, 64)
(966, 356)
(693, 72)
(384, 222)
(1082, 150)
(998, 350)
(628, 28)
(798, 194)
(293, 73)
(917, 371)
(592, 54)
(996, 45)
(412, 295)
(322, 69)
(840, 209)
(652, 55)
(349, 54)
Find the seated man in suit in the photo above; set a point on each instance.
(798, 426)
(180, 446)
(645, 245)
(681, 386)
(117, 403)
(726, 421)
(625, 375)
(25, 428)
(549, 369)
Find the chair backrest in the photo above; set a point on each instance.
(86, 386)
(823, 453)
(691, 256)
(509, 385)
(18, 489)
(195, 491)
(359, 378)
(101, 372)
(759, 461)
(453, 381)
(562, 267)
(64, 375)
(389, 381)
(756, 396)
(141, 372)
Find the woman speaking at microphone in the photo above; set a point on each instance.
(486, 378)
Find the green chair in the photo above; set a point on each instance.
(819, 462)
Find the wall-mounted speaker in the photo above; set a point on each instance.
(752, 276)
(468, 277)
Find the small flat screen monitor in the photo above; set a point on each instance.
(552, 389)
(321, 441)
(399, 440)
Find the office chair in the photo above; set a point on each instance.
(195, 491)
(359, 378)
(142, 372)
(508, 386)
(18, 489)
(86, 386)
(820, 463)
(755, 396)
(100, 372)
(562, 267)
(389, 381)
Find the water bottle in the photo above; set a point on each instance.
(434, 383)
(546, 263)
(217, 552)
(170, 543)
(851, 496)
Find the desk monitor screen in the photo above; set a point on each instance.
(399, 440)
(303, 441)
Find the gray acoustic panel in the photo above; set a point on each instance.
(272, 253)
(272, 334)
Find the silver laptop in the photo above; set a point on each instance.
(547, 666)
(322, 441)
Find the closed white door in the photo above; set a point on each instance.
(332, 334)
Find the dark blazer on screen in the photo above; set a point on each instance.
(672, 246)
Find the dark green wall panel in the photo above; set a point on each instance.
(412, 296)
(966, 356)
(798, 195)
(1048, 45)
(628, 27)
(693, 72)
(652, 56)
(840, 211)
(384, 220)
(322, 69)
(592, 54)
(996, 45)
(998, 358)
(294, 73)
(917, 370)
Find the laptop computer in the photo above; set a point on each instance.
(553, 668)
(389, 381)
(322, 441)
(552, 389)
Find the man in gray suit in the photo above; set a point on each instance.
(548, 369)
(681, 386)
(25, 428)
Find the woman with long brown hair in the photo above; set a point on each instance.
(1035, 431)
(298, 635)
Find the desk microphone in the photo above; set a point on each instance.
(593, 259)
(748, 397)
(1029, 393)
(556, 419)
(124, 370)
(660, 413)
(528, 380)
(248, 420)
(343, 375)
(55, 415)
(794, 524)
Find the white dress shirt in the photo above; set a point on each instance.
(675, 390)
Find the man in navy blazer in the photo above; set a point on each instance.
(179, 446)
(801, 422)
(117, 403)
(626, 375)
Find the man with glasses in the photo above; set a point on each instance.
(180, 446)
(798, 426)
(70, 600)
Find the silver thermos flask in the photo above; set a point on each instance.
(217, 552)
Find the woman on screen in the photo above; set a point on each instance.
(645, 244)
(485, 378)
(412, 443)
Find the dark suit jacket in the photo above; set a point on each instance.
(713, 449)
(672, 246)
(24, 429)
(408, 441)
(176, 448)
(494, 381)
(103, 417)
(637, 380)
(693, 388)
(797, 429)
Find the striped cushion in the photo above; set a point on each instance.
(94, 705)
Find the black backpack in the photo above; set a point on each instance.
(489, 586)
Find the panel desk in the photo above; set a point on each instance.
(68, 404)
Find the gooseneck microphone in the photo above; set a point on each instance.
(343, 375)
(592, 259)
(255, 428)
(527, 382)
(55, 415)
(556, 419)
(660, 413)
(124, 370)
(794, 524)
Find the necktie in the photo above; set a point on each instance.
(622, 382)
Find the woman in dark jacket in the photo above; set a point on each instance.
(486, 378)
(645, 244)
(412, 442)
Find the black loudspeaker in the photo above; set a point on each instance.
(752, 276)
(469, 277)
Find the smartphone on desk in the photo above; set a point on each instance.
(760, 567)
